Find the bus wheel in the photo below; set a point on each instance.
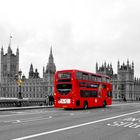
(85, 105)
(104, 103)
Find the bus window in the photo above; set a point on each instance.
(107, 80)
(88, 93)
(109, 94)
(64, 75)
(103, 79)
(90, 78)
(93, 77)
(98, 78)
(82, 84)
(85, 76)
(78, 75)
(90, 85)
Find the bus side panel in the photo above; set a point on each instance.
(109, 101)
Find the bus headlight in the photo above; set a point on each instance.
(73, 101)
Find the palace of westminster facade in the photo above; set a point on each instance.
(33, 86)
(124, 83)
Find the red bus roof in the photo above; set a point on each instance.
(70, 70)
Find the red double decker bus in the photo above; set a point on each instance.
(80, 89)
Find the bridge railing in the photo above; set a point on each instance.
(13, 102)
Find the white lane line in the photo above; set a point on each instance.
(79, 113)
(26, 113)
(71, 114)
(28, 120)
(31, 120)
(18, 121)
(74, 126)
(120, 104)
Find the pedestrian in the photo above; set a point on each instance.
(47, 100)
(51, 100)
(124, 99)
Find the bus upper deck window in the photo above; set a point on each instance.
(64, 75)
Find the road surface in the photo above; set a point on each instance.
(116, 122)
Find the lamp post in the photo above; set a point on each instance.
(19, 79)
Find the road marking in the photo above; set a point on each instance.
(71, 114)
(26, 113)
(74, 126)
(120, 104)
(79, 113)
(28, 120)
(31, 120)
(126, 122)
(18, 121)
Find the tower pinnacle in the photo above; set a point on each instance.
(9, 47)
(51, 56)
(10, 40)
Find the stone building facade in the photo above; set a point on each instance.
(125, 85)
(33, 86)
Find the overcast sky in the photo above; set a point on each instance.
(81, 32)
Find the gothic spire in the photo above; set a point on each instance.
(127, 62)
(31, 68)
(51, 56)
(10, 40)
(118, 66)
(17, 51)
(2, 52)
(51, 66)
(96, 66)
(133, 66)
(51, 50)
(9, 47)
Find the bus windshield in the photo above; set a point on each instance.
(64, 89)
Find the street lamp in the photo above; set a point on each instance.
(19, 79)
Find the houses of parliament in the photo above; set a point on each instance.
(124, 83)
(33, 86)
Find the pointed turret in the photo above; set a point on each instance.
(17, 55)
(17, 52)
(105, 64)
(9, 50)
(133, 67)
(51, 56)
(31, 71)
(96, 67)
(111, 65)
(9, 46)
(31, 68)
(127, 64)
(118, 65)
(48, 74)
(51, 66)
(2, 52)
(36, 74)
